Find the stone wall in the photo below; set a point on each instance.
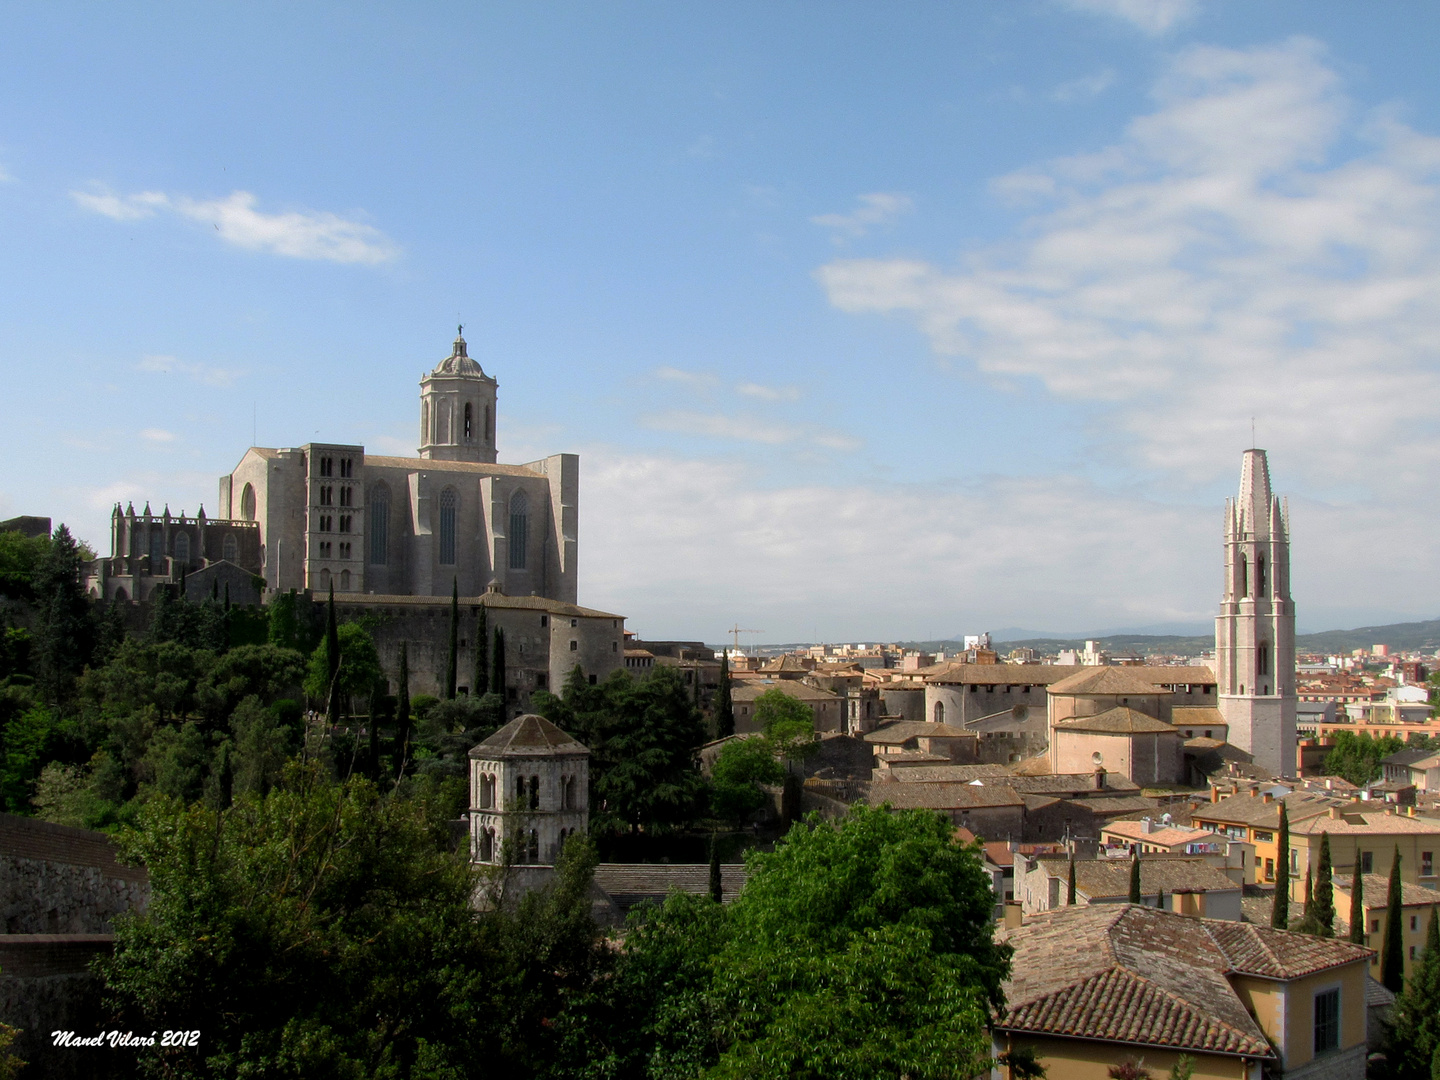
(59, 880)
(46, 985)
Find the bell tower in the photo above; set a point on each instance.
(457, 409)
(1255, 630)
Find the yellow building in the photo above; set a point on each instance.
(1093, 985)
(1372, 834)
(1417, 905)
(1255, 818)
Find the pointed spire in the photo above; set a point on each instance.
(1255, 493)
(147, 508)
(457, 347)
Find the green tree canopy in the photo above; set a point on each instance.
(1414, 1037)
(359, 665)
(740, 768)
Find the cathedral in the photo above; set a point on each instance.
(331, 514)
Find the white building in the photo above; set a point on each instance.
(529, 791)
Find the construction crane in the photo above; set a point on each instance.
(736, 631)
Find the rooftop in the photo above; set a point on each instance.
(1252, 809)
(1107, 879)
(900, 731)
(1106, 681)
(942, 796)
(1351, 822)
(528, 736)
(1167, 836)
(1122, 720)
(629, 884)
(1376, 892)
(750, 689)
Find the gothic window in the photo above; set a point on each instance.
(325, 549)
(520, 787)
(344, 579)
(1262, 659)
(327, 523)
(247, 503)
(182, 547)
(380, 525)
(1244, 576)
(448, 504)
(519, 530)
(157, 549)
(469, 421)
(324, 580)
(1260, 575)
(230, 550)
(533, 855)
(939, 712)
(345, 550)
(442, 422)
(425, 423)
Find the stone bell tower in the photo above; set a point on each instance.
(1255, 630)
(457, 409)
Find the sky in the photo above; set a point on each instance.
(868, 321)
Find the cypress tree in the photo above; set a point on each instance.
(1160, 898)
(480, 683)
(402, 712)
(1357, 901)
(1280, 913)
(497, 663)
(1324, 902)
(1414, 1041)
(1392, 954)
(1135, 879)
(716, 892)
(453, 658)
(64, 630)
(724, 709)
(332, 657)
(1070, 888)
(227, 596)
(1309, 907)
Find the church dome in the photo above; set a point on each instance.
(458, 362)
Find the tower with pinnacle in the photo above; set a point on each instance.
(457, 409)
(1255, 630)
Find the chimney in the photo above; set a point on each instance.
(1254, 791)
(1335, 812)
(1147, 825)
(1234, 789)
(1267, 797)
(1214, 793)
(1014, 916)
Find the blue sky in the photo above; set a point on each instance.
(868, 321)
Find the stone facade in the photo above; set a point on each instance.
(147, 550)
(1255, 630)
(332, 514)
(58, 880)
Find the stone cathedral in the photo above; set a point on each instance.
(1255, 630)
(331, 514)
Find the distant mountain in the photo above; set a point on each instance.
(1423, 636)
(1401, 636)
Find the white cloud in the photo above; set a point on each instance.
(768, 393)
(1216, 263)
(750, 429)
(1084, 88)
(294, 234)
(157, 435)
(696, 380)
(878, 208)
(1149, 16)
(203, 373)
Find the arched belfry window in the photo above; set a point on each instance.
(449, 505)
(489, 426)
(247, 503)
(1260, 575)
(379, 510)
(1262, 659)
(230, 550)
(469, 422)
(939, 712)
(182, 547)
(519, 530)
(1244, 576)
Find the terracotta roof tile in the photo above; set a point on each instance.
(528, 736)
(1118, 721)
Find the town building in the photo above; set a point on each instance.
(1188, 885)
(529, 791)
(828, 708)
(1371, 834)
(1094, 985)
(1254, 817)
(1418, 905)
(1420, 768)
(148, 550)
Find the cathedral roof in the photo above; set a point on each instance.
(1121, 721)
(1106, 681)
(458, 362)
(528, 736)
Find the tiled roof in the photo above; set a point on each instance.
(1165, 837)
(954, 774)
(1196, 716)
(1410, 757)
(904, 730)
(1376, 891)
(997, 674)
(1279, 954)
(1176, 676)
(1115, 807)
(528, 736)
(1075, 784)
(1247, 809)
(1105, 879)
(1366, 823)
(751, 689)
(942, 796)
(1127, 974)
(1106, 680)
(432, 465)
(630, 883)
(1122, 720)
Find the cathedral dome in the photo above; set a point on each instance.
(458, 362)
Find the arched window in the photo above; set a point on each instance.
(380, 525)
(344, 580)
(489, 426)
(230, 549)
(157, 549)
(939, 712)
(1262, 659)
(1260, 575)
(182, 548)
(247, 503)
(425, 439)
(533, 855)
(534, 793)
(442, 427)
(121, 595)
(519, 530)
(469, 422)
(449, 503)
(1244, 576)
(487, 845)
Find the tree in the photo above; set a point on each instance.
(262, 745)
(29, 743)
(1413, 1040)
(788, 724)
(20, 556)
(351, 671)
(332, 664)
(1070, 887)
(285, 628)
(724, 707)
(1136, 896)
(862, 946)
(1280, 911)
(1357, 757)
(1320, 903)
(497, 663)
(716, 882)
(1357, 903)
(64, 631)
(1392, 954)
(740, 770)
(452, 658)
(401, 751)
(480, 678)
